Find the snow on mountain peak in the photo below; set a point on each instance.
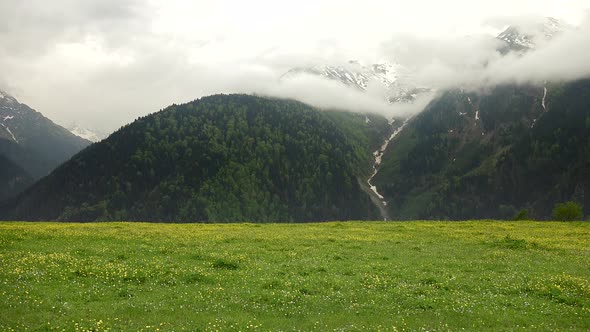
(88, 134)
(392, 77)
(7, 112)
(553, 27)
(529, 35)
(353, 73)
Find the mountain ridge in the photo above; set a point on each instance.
(529, 36)
(471, 155)
(218, 159)
(392, 77)
(32, 142)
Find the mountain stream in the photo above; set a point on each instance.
(376, 165)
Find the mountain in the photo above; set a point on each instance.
(218, 159)
(353, 74)
(524, 37)
(91, 135)
(13, 179)
(32, 143)
(392, 77)
(489, 155)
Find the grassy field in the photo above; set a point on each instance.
(352, 276)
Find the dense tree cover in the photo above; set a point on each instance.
(218, 159)
(490, 155)
(366, 133)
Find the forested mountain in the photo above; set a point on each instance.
(245, 158)
(487, 155)
(31, 143)
(218, 159)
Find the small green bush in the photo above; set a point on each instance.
(522, 215)
(567, 211)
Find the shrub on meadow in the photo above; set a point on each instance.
(567, 211)
(522, 215)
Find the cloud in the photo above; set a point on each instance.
(475, 61)
(442, 63)
(327, 94)
(563, 59)
(102, 63)
(31, 27)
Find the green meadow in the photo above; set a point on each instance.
(348, 276)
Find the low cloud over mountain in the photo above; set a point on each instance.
(479, 61)
(117, 60)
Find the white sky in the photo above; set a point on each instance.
(102, 63)
(244, 28)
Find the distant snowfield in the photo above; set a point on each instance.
(85, 133)
(390, 80)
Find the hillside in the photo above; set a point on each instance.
(13, 179)
(488, 155)
(218, 159)
(32, 141)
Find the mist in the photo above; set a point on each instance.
(104, 63)
(475, 62)
(563, 59)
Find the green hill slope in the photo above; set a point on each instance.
(218, 159)
(489, 155)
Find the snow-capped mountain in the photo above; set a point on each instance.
(352, 74)
(85, 133)
(32, 141)
(394, 78)
(9, 109)
(522, 37)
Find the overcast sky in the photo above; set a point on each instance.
(102, 63)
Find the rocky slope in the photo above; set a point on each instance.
(31, 142)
